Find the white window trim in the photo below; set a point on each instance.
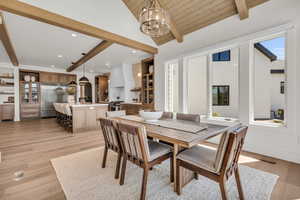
(167, 82)
(288, 81)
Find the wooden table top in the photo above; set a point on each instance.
(174, 136)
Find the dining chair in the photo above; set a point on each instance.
(118, 113)
(217, 165)
(167, 115)
(188, 117)
(112, 142)
(69, 118)
(141, 152)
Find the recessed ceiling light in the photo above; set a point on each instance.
(107, 64)
(74, 35)
(60, 56)
(133, 51)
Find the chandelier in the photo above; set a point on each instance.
(154, 19)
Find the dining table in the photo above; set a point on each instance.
(181, 134)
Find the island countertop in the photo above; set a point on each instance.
(89, 105)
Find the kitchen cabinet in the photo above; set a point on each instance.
(46, 77)
(29, 100)
(85, 116)
(7, 111)
(55, 78)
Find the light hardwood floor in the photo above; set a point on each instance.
(29, 146)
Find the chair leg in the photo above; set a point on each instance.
(144, 184)
(171, 170)
(239, 184)
(178, 179)
(223, 190)
(196, 175)
(104, 157)
(118, 166)
(123, 170)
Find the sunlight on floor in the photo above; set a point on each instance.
(243, 159)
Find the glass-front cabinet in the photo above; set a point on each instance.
(29, 95)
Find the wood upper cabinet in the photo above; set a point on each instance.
(48, 77)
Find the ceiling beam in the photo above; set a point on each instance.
(242, 9)
(92, 53)
(26, 10)
(4, 37)
(178, 36)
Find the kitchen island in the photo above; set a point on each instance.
(85, 116)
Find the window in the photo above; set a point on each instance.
(224, 86)
(212, 88)
(268, 80)
(221, 56)
(172, 86)
(220, 95)
(282, 87)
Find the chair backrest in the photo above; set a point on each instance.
(229, 150)
(188, 117)
(167, 115)
(110, 134)
(134, 142)
(68, 110)
(55, 106)
(118, 113)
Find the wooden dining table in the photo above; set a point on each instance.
(180, 139)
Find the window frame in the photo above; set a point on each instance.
(252, 120)
(219, 54)
(219, 86)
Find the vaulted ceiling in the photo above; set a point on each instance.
(39, 44)
(191, 15)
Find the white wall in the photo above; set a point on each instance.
(197, 85)
(121, 82)
(8, 66)
(282, 142)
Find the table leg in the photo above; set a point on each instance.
(175, 152)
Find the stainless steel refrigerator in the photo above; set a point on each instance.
(51, 94)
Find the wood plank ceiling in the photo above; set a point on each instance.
(191, 15)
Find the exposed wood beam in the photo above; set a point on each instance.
(174, 29)
(26, 10)
(4, 37)
(92, 53)
(242, 9)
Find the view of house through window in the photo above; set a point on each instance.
(225, 84)
(269, 80)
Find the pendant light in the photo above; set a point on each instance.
(154, 20)
(83, 80)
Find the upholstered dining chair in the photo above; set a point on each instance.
(141, 152)
(167, 115)
(112, 142)
(188, 117)
(217, 165)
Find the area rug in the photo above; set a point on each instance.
(82, 178)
